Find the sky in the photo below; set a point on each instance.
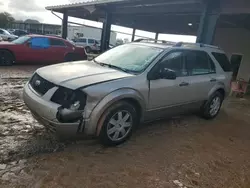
(35, 9)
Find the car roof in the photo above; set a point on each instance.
(151, 44)
(47, 36)
(182, 45)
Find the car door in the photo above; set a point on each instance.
(202, 74)
(91, 44)
(57, 51)
(166, 93)
(38, 50)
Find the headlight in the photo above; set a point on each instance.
(70, 99)
(75, 106)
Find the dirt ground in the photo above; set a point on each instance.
(182, 152)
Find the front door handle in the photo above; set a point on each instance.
(213, 80)
(183, 84)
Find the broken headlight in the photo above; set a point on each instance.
(72, 104)
(70, 99)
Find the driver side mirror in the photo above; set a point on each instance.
(166, 73)
(162, 73)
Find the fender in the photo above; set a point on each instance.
(107, 101)
(215, 88)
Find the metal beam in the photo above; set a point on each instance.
(65, 25)
(174, 9)
(106, 32)
(133, 34)
(156, 37)
(208, 22)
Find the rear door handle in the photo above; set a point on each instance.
(183, 84)
(213, 80)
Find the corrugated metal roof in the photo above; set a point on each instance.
(86, 3)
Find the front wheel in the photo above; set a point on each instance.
(118, 123)
(212, 107)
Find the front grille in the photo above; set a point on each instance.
(40, 85)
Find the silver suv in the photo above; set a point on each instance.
(90, 45)
(132, 83)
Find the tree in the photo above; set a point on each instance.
(31, 21)
(5, 19)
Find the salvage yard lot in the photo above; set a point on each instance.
(187, 151)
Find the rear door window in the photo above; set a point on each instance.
(82, 40)
(199, 63)
(57, 42)
(223, 61)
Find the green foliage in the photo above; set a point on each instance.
(5, 19)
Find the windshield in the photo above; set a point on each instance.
(6, 32)
(131, 57)
(21, 40)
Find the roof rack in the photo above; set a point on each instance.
(154, 40)
(176, 44)
(179, 44)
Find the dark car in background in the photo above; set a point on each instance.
(38, 49)
(18, 32)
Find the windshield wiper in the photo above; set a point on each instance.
(112, 66)
(116, 67)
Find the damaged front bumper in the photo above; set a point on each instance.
(47, 113)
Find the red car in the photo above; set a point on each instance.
(39, 49)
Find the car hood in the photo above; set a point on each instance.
(79, 74)
(6, 43)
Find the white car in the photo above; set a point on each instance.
(90, 45)
(5, 35)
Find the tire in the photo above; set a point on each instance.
(212, 106)
(88, 49)
(113, 134)
(6, 58)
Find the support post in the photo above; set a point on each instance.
(65, 25)
(106, 30)
(133, 35)
(208, 21)
(156, 37)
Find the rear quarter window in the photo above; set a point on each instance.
(223, 61)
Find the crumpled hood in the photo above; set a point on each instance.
(78, 74)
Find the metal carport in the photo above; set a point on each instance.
(161, 16)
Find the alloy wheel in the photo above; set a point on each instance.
(215, 106)
(119, 125)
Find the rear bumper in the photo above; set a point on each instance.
(45, 111)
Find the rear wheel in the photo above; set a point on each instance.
(6, 58)
(88, 49)
(212, 107)
(118, 123)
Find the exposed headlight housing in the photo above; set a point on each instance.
(70, 99)
(75, 106)
(72, 104)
